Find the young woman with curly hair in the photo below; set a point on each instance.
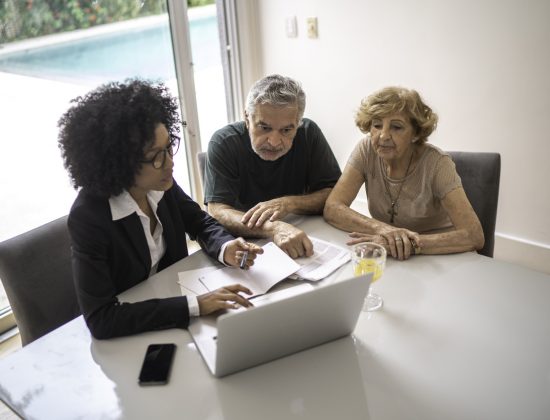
(416, 200)
(130, 218)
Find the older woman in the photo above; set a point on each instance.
(130, 218)
(415, 197)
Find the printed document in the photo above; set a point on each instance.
(326, 259)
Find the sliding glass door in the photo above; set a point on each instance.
(52, 51)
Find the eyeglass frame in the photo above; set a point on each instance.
(170, 149)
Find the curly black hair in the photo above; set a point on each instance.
(103, 135)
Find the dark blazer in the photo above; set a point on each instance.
(109, 257)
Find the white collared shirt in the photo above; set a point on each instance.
(123, 205)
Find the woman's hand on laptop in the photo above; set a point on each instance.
(227, 297)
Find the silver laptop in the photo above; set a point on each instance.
(280, 324)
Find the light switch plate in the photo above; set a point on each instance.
(291, 27)
(312, 30)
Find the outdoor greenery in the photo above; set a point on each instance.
(22, 19)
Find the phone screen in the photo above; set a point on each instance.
(156, 365)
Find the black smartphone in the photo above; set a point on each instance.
(155, 369)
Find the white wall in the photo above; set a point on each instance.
(483, 65)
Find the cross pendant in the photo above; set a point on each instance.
(392, 212)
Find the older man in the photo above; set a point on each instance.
(272, 164)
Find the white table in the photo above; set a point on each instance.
(460, 337)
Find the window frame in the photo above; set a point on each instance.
(231, 61)
(7, 320)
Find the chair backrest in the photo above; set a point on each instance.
(480, 174)
(35, 269)
(201, 159)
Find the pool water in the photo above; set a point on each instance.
(146, 53)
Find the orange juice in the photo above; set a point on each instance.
(369, 258)
(368, 265)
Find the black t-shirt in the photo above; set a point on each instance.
(237, 176)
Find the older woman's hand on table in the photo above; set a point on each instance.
(399, 243)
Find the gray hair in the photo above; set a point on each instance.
(276, 90)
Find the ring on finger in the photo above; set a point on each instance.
(398, 239)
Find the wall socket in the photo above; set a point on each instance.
(312, 30)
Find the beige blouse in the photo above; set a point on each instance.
(418, 207)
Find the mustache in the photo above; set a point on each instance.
(270, 149)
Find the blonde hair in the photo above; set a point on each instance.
(394, 100)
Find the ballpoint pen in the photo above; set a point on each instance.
(243, 260)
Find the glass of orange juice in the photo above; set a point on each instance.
(369, 257)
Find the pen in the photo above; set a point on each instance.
(243, 260)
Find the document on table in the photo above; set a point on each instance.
(189, 281)
(325, 259)
(269, 269)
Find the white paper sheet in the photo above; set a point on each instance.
(269, 268)
(189, 281)
(325, 259)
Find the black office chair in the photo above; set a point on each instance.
(35, 269)
(201, 159)
(480, 174)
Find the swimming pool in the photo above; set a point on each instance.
(133, 52)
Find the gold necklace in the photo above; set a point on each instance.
(392, 212)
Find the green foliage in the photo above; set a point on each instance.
(193, 3)
(22, 19)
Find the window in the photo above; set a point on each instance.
(51, 53)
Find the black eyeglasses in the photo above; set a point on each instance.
(159, 159)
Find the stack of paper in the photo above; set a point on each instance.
(269, 268)
(325, 259)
